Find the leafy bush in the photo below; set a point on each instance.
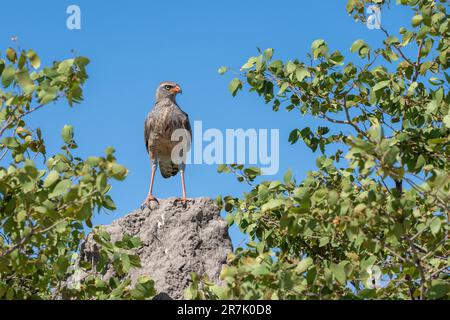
(372, 220)
(43, 212)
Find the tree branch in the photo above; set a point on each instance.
(418, 265)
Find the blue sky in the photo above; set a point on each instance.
(134, 45)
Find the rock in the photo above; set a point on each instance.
(176, 239)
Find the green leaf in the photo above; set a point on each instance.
(268, 53)
(439, 288)
(294, 135)
(412, 88)
(361, 47)
(392, 40)
(22, 60)
(10, 142)
(283, 88)
(447, 77)
(93, 161)
(21, 216)
(422, 32)
(446, 121)
(301, 73)
(82, 61)
(34, 59)
(316, 44)
(11, 55)
(65, 65)
(222, 70)
(252, 171)
(336, 58)
(304, 265)
(48, 94)
(318, 48)
(441, 179)
(350, 5)
(143, 289)
(101, 182)
(234, 86)
(338, 271)
(435, 225)
(287, 176)
(24, 80)
(290, 67)
(118, 171)
(380, 85)
(125, 262)
(366, 263)
(421, 161)
(416, 20)
(431, 107)
(109, 151)
(272, 204)
(249, 64)
(61, 188)
(333, 197)
(435, 81)
(61, 226)
(276, 66)
(52, 177)
(67, 133)
(229, 218)
(324, 241)
(390, 157)
(274, 184)
(8, 76)
(221, 168)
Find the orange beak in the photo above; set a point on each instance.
(176, 89)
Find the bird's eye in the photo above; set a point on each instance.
(167, 87)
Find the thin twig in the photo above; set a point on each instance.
(418, 265)
(26, 238)
(437, 272)
(397, 48)
(417, 64)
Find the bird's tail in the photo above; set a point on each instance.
(168, 168)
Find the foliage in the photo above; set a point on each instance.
(82, 285)
(372, 220)
(43, 212)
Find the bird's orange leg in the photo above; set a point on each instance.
(183, 199)
(150, 196)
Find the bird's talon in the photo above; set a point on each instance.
(147, 202)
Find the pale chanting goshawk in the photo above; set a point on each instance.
(163, 122)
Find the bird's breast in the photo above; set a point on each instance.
(165, 122)
(170, 122)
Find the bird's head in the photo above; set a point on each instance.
(167, 89)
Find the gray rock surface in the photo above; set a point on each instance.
(176, 239)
